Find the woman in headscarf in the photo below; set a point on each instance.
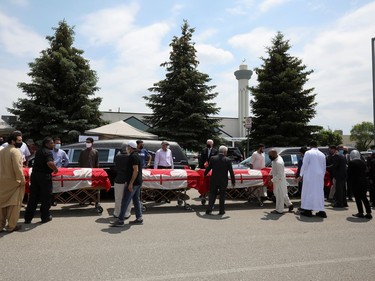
(358, 182)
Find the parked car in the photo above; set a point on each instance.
(234, 153)
(192, 159)
(107, 150)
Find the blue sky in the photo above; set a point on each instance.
(126, 41)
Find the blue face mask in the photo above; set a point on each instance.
(18, 144)
(341, 152)
(57, 145)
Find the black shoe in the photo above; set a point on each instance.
(208, 212)
(368, 216)
(337, 206)
(290, 208)
(276, 212)
(136, 221)
(321, 214)
(47, 219)
(128, 217)
(221, 213)
(117, 223)
(306, 213)
(27, 222)
(359, 215)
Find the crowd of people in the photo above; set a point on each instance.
(348, 171)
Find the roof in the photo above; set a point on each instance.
(120, 129)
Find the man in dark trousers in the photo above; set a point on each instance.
(339, 175)
(41, 182)
(220, 166)
(206, 154)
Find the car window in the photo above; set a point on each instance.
(76, 153)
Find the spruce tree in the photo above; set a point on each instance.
(62, 83)
(181, 103)
(281, 107)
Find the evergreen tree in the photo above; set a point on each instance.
(181, 103)
(281, 106)
(58, 102)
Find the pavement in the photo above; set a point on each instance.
(247, 243)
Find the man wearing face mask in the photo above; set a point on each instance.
(89, 158)
(12, 183)
(59, 156)
(206, 154)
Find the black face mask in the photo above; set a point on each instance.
(208, 145)
(141, 147)
(18, 144)
(272, 157)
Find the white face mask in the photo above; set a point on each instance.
(88, 144)
(57, 145)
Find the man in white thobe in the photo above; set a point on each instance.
(312, 172)
(258, 162)
(280, 189)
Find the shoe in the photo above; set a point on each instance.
(276, 212)
(116, 217)
(136, 221)
(306, 213)
(47, 219)
(221, 213)
(290, 208)
(117, 223)
(16, 228)
(321, 214)
(337, 206)
(368, 216)
(359, 215)
(27, 222)
(128, 217)
(208, 212)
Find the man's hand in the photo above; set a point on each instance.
(130, 187)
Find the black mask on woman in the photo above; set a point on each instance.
(208, 145)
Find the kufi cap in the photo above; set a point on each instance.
(132, 144)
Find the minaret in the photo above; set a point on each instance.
(243, 76)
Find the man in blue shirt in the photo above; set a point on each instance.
(59, 156)
(143, 154)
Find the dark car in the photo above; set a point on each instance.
(108, 149)
(234, 154)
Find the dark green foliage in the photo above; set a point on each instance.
(58, 102)
(281, 106)
(363, 134)
(181, 103)
(328, 137)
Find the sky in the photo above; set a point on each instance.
(126, 41)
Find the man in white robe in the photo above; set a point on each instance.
(312, 172)
(258, 162)
(280, 189)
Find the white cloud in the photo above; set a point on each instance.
(18, 39)
(109, 25)
(208, 54)
(271, 4)
(341, 58)
(254, 42)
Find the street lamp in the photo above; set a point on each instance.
(373, 80)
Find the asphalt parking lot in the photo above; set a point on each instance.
(247, 243)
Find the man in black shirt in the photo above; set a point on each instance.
(121, 164)
(41, 182)
(134, 183)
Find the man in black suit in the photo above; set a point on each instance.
(220, 165)
(339, 175)
(206, 154)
